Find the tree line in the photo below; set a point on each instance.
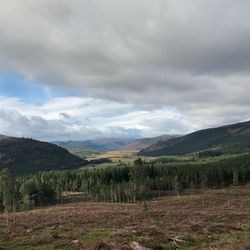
(124, 183)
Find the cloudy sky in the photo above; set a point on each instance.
(80, 69)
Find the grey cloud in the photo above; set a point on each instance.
(64, 115)
(164, 53)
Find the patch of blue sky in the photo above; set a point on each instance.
(15, 85)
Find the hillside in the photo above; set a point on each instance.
(28, 155)
(142, 143)
(233, 138)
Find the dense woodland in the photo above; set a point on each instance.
(123, 183)
(22, 155)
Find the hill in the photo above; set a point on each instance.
(98, 145)
(142, 143)
(27, 155)
(233, 138)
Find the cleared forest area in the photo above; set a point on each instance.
(211, 219)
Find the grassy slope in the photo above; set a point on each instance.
(230, 139)
(214, 219)
(27, 155)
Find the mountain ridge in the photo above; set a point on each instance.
(111, 144)
(227, 138)
(102, 145)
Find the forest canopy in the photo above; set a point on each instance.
(22, 155)
(125, 183)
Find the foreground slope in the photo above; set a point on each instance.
(28, 155)
(233, 138)
(214, 219)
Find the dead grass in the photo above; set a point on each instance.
(216, 219)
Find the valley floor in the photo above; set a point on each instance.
(214, 219)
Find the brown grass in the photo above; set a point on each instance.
(215, 219)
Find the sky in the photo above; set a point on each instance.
(79, 70)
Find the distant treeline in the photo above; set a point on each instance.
(127, 183)
(99, 161)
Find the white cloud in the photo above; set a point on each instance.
(75, 118)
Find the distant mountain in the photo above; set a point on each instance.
(231, 138)
(142, 143)
(27, 155)
(111, 144)
(101, 145)
(3, 137)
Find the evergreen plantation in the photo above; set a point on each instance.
(123, 183)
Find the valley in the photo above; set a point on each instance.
(124, 125)
(115, 199)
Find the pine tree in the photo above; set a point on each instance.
(236, 178)
(8, 192)
(177, 185)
